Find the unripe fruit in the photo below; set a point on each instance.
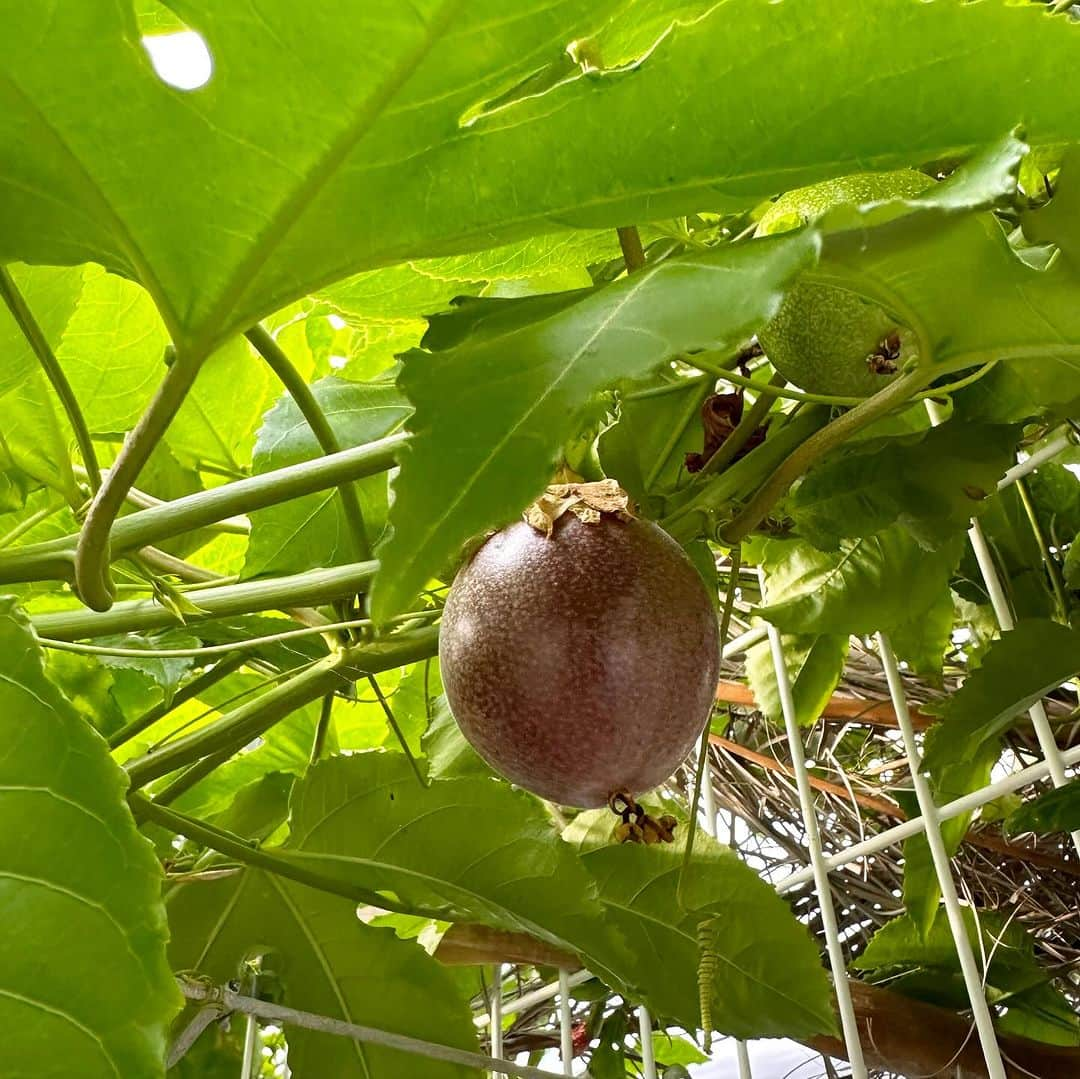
(583, 662)
(822, 336)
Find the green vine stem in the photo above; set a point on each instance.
(187, 779)
(222, 669)
(52, 559)
(311, 588)
(93, 580)
(246, 852)
(240, 726)
(816, 446)
(21, 313)
(747, 426)
(1053, 570)
(311, 410)
(399, 734)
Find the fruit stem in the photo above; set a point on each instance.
(816, 446)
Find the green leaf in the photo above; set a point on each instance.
(167, 673)
(459, 849)
(112, 351)
(931, 485)
(328, 962)
(928, 967)
(1018, 670)
(769, 981)
(490, 103)
(645, 451)
(85, 985)
(308, 532)
(217, 423)
(51, 294)
(868, 584)
(1056, 811)
(449, 755)
(815, 665)
(503, 392)
(921, 642)
(673, 1049)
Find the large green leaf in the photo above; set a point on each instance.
(867, 584)
(229, 201)
(312, 531)
(768, 975)
(84, 985)
(1018, 670)
(931, 484)
(464, 849)
(325, 960)
(506, 389)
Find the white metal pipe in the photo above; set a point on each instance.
(496, 1019)
(1032, 461)
(648, 1060)
(251, 1047)
(708, 799)
(848, 1021)
(745, 641)
(566, 1032)
(1043, 731)
(536, 996)
(965, 804)
(980, 1010)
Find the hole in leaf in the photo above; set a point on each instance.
(179, 55)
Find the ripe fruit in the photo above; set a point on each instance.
(822, 337)
(583, 662)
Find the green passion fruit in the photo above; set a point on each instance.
(824, 339)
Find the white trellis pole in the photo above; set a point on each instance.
(980, 1010)
(566, 1032)
(648, 1060)
(848, 1020)
(496, 1019)
(1000, 603)
(708, 798)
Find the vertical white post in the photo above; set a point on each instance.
(998, 600)
(251, 1048)
(496, 1019)
(980, 1011)
(566, 1033)
(648, 1061)
(708, 801)
(848, 1021)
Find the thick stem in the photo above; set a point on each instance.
(633, 252)
(234, 846)
(312, 411)
(93, 581)
(240, 726)
(222, 669)
(33, 333)
(816, 446)
(52, 559)
(312, 588)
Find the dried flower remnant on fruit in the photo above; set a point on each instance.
(721, 413)
(636, 826)
(587, 501)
